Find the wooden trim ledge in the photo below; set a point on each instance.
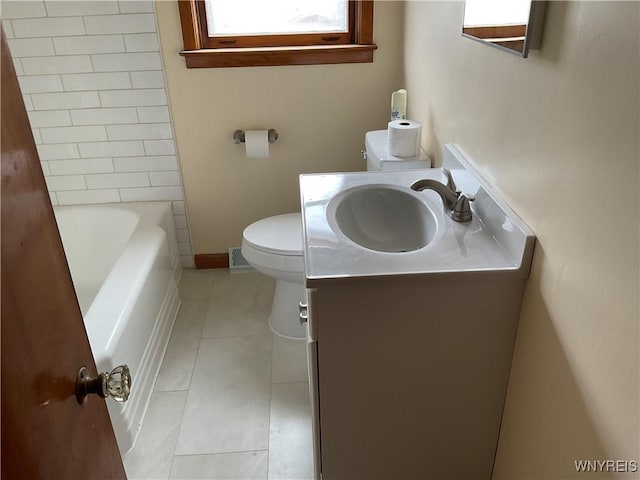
(273, 56)
(211, 260)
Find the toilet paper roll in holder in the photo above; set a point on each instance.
(238, 136)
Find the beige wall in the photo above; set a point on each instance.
(557, 133)
(321, 113)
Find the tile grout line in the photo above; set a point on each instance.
(239, 335)
(195, 360)
(270, 405)
(174, 453)
(229, 452)
(184, 409)
(184, 406)
(289, 383)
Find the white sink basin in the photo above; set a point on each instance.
(385, 218)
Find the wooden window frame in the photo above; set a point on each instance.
(507, 36)
(201, 51)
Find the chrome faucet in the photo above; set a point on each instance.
(452, 199)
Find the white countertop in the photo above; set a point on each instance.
(495, 240)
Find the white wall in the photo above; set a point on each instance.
(557, 133)
(91, 74)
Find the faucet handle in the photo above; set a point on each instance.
(462, 210)
(450, 183)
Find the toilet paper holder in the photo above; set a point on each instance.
(238, 136)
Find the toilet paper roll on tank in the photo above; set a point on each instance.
(403, 138)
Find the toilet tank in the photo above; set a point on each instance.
(378, 158)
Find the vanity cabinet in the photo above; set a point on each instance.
(409, 374)
(410, 348)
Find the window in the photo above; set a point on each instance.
(220, 33)
(275, 22)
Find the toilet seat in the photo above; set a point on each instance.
(273, 246)
(280, 235)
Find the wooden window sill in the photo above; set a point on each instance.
(272, 56)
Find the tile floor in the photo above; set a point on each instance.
(231, 400)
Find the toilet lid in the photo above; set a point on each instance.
(281, 234)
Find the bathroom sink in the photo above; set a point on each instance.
(384, 218)
(355, 224)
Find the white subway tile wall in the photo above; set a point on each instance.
(17, 64)
(45, 168)
(178, 208)
(145, 164)
(159, 147)
(133, 98)
(84, 166)
(58, 64)
(37, 137)
(8, 29)
(153, 114)
(122, 23)
(56, 101)
(149, 79)
(111, 149)
(91, 76)
(104, 116)
(141, 42)
(96, 81)
(40, 83)
(88, 44)
(140, 6)
(27, 102)
(58, 152)
(43, 27)
(50, 118)
(23, 9)
(61, 8)
(31, 47)
(164, 178)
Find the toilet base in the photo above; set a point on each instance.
(284, 320)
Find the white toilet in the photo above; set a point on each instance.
(273, 245)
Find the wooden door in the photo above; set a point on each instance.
(45, 432)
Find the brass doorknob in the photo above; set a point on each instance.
(115, 384)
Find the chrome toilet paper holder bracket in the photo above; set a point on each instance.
(238, 136)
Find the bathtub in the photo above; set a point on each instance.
(125, 265)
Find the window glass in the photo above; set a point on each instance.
(496, 12)
(260, 17)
